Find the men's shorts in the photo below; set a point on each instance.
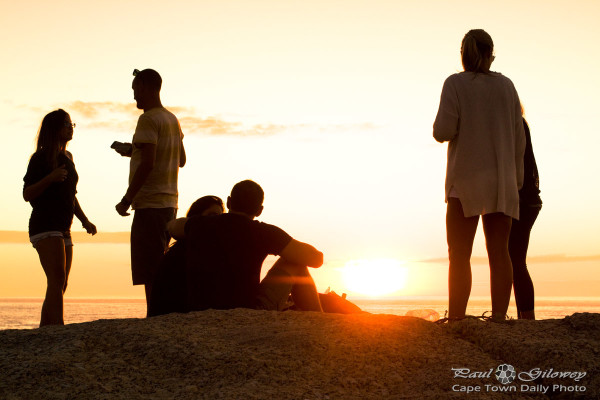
(35, 239)
(149, 241)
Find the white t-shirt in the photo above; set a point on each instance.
(160, 127)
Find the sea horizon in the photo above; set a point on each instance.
(24, 312)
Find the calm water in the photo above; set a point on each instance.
(25, 313)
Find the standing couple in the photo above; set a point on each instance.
(491, 172)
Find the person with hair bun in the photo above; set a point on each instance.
(480, 116)
(50, 185)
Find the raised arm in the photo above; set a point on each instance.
(302, 254)
(176, 228)
(32, 191)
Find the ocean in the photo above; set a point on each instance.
(24, 313)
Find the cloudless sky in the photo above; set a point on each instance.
(327, 104)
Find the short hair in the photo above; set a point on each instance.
(246, 197)
(476, 45)
(203, 204)
(149, 78)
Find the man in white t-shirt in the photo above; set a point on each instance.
(156, 153)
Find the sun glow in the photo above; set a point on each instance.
(376, 277)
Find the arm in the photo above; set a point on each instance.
(182, 157)
(176, 228)
(302, 254)
(445, 127)
(36, 189)
(89, 227)
(139, 177)
(124, 149)
(520, 144)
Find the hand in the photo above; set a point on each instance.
(90, 228)
(122, 208)
(59, 174)
(124, 149)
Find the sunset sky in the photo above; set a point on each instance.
(329, 105)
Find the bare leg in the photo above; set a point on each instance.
(68, 262)
(460, 232)
(527, 314)
(518, 244)
(285, 278)
(496, 227)
(52, 256)
(148, 290)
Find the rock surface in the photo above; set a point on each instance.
(248, 354)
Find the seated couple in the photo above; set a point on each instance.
(217, 260)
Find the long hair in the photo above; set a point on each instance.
(203, 204)
(48, 139)
(476, 45)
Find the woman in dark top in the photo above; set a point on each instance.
(50, 187)
(169, 290)
(530, 205)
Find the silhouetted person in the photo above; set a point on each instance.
(226, 253)
(156, 154)
(480, 115)
(530, 205)
(169, 291)
(50, 188)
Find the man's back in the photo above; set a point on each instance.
(224, 259)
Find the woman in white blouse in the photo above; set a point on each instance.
(480, 117)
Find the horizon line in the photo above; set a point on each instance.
(22, 237)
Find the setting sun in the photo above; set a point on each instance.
(374, 277)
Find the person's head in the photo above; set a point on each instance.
(477, 51)
(55, 131)
(146, 87)
(247, 198)
(206, 206)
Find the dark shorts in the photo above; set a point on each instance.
(149, 241)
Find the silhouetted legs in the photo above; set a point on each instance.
(56, 260)
(149, 241)
(496, 228)
(460, 232)
(285, 278)
(518, 244)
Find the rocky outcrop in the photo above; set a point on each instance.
(248, 354)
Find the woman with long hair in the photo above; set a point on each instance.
(50, 188)
(530, 204)
(480, 116)
(169, 290)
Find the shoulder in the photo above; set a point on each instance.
(453, 81)
(452, 78)
(503, 78)
(167, 113)
(269, 229)
(37, 159)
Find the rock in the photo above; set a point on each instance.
(249, 354)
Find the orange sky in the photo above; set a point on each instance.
(328, 105)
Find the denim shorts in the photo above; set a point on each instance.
(35, 239)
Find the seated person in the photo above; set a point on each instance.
(225, 255)
(169, 288)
